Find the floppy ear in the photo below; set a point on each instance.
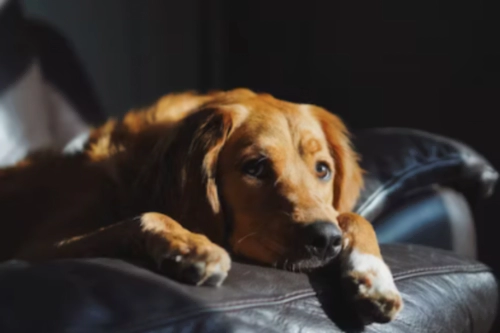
(348, 179)
(209, 137)
(181, 169)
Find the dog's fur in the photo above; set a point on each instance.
(171, 185)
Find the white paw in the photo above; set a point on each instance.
(371, 286)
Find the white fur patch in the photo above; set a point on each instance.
(375, 270)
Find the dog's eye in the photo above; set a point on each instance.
(323, 171)
(255, 167)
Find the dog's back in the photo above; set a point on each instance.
(38, 200)
(50, 196)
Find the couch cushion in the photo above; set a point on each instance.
(399, 162)
(442, 293)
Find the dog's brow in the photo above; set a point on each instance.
(250, 150)
(310, 146)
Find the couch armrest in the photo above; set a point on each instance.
(400, 162)
(442, 292)
(437, 217)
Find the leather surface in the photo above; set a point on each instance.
(423, 219)
(442, 293)
(401, 161)
(436, 217)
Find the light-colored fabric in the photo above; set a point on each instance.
(34, 115)
(3, 2)
(77, 143)
(66, 124)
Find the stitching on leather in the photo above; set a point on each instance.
(439, 270)
(214, 306)
(298, 295)
(385, 187)
(274, 299)
(410, 172)
(214, 309)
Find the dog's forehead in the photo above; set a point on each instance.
(280, 123)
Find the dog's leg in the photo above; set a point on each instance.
(152, 238)
(366, 277)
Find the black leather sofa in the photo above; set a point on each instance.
(422, 191)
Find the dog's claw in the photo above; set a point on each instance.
(186, 256)
(370, 285)
(215, 280)
(193, 273)
(204, 264)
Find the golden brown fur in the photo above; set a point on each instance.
(168, 185)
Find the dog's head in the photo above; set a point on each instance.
(277, 173)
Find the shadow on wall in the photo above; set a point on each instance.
(134, 51)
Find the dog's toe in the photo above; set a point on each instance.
(379, 307)
(370, 285)
(203, 263)
(215, 279)
(203, 273)
(193, 273)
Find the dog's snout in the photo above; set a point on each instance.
(323, 236)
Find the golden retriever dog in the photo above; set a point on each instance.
(181, 184)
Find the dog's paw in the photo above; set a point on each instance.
(370, 285)
(188, 257)
(194, 259)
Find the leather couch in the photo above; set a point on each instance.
(422, 191)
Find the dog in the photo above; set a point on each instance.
(184, 182)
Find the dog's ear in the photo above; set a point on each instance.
(211, 130)
(181, 169)
(348, 179)
(178, 166)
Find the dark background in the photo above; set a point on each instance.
(427, 64)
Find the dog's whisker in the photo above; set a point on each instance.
(287, 214)
(273, 245)
(277, 180)
(238, 242)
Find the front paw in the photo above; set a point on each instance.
(370, 285)
(191, 258)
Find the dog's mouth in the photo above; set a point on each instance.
(306, 260)
(299, 258)
(291, 255)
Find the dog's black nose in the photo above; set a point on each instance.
(325, 237)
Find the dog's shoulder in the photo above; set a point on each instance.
(159, 118)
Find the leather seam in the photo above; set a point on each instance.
(450, 269)
(299, 295)
(229, 306)
(387, 185)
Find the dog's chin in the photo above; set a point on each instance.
(305, 265)
(302, 260)
(307, 259)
